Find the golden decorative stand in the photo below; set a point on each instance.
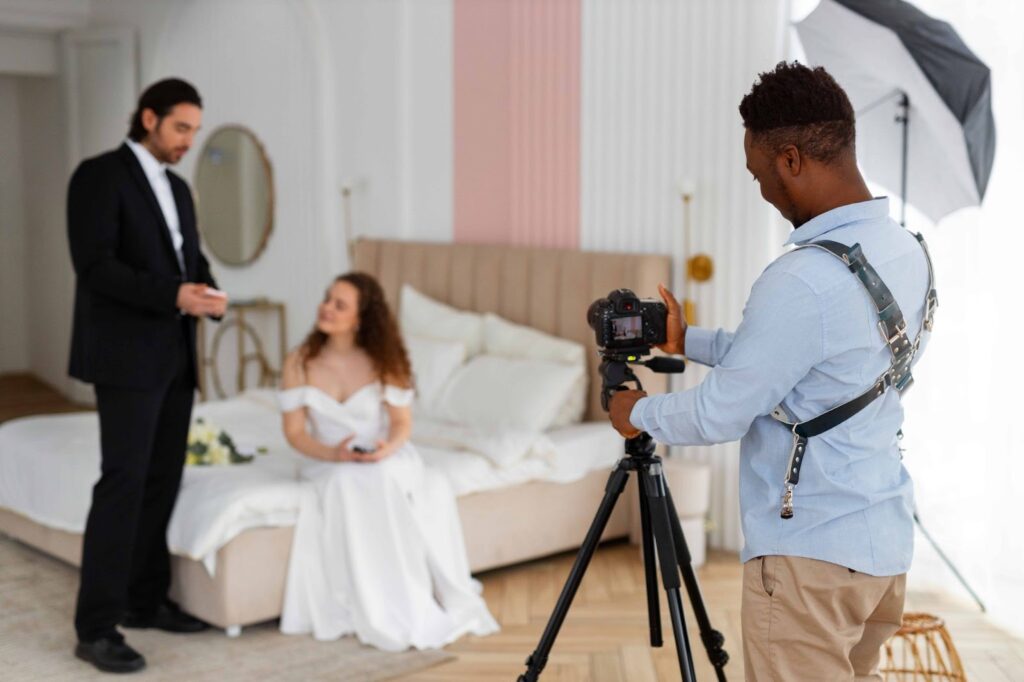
(697, 267)
(922, 650)
(235, 319)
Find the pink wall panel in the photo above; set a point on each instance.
(517, 122)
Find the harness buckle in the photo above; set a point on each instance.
(796, 456)
(901, 332)
(931, 303)
(787, 502)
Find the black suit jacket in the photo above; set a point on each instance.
(127, 328)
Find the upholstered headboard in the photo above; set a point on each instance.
(548, 289)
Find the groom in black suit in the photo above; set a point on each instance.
(141, 282)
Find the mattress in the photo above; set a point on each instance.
(48, 465)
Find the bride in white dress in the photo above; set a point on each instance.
(378, 549)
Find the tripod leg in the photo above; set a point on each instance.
(650, 571)
(712, 639)
(539, 658)
(652, 483)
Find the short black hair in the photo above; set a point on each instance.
(795, 104)
(161, 97)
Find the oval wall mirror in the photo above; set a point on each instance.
(235, 202)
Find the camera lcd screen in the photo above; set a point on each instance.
(627, 328)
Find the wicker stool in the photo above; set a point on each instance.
(922, 650)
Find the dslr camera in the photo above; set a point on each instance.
(626, 325)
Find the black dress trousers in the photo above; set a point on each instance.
(143, 435)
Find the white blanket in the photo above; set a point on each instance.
(49, 464)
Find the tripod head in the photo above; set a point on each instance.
(615, 371)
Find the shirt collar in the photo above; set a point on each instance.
(150, 166)
(871, 209)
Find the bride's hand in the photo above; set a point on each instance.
(383, 450)
(342, 452)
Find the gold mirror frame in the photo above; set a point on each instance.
(268, 175)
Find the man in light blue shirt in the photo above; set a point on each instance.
(823, 589)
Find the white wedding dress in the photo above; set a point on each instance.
(378, 549)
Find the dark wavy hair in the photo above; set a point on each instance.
(378, 333)
(161, 97)
(795, 104)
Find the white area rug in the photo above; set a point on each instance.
(37, 598)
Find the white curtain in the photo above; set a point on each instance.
(964, 444)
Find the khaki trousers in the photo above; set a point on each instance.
(805, 619)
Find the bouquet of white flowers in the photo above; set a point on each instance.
(209, 445)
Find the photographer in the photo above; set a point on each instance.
(823, 587)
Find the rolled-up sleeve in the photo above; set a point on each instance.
(778, 341)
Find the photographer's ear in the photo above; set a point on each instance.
(789, 161)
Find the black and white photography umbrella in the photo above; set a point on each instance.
(925, 129)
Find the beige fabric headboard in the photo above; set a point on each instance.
(548, 289)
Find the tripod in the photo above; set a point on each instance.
(662, 538)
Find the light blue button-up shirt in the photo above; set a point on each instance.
(809, 339)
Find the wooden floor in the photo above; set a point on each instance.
(22, 395)
(605, 637)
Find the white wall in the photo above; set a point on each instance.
(427, 120)
(262, 68)
(355, 92)
(392, 66)
(336, 91)
(14, 355)
(49, 277)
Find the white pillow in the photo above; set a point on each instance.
(433, 362)
(511, 340)
(508, 339)
(422, 316)
(504, 449)
(492, 392)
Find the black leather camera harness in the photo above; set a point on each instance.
(893, 328)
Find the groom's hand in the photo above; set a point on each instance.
(193, 301)
(219, 299)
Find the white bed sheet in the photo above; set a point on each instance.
(48, 465)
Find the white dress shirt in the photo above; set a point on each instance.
(156, 173)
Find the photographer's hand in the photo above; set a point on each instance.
(620, 407)
(675, 325)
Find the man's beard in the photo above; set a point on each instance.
(172, 157)
(169, 156)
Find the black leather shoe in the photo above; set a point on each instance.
(111, 655)
(167, 617)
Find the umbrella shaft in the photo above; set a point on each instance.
(904, 119)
